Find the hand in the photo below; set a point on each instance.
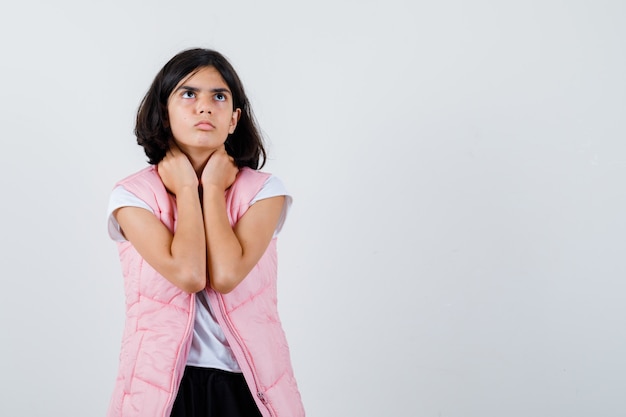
(176, 171)
(220, 170)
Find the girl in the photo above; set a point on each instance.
(196, 233)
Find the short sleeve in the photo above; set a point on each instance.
(274, 187)
(120, 197)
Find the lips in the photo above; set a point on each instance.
(204, 125)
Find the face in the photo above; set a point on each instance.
(201, 112)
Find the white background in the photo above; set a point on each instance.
(456, 244)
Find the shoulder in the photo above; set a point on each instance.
(146, 185)
(147, 175)
(264, 182)
(248, 183)
(272, 187)
(252, 176)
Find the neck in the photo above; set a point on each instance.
(198, 163)
(198, 159)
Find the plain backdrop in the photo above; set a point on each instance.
(456, 244)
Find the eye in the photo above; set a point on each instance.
(220, 97)
(188, 94)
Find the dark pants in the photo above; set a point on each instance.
(206, 392)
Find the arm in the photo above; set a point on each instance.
(233, 252)
(179, 257)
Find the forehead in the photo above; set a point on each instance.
(204, 77)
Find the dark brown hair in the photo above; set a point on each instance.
(153, 131)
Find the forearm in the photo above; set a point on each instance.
(188, 248)
(224, 250)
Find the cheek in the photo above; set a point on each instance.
(175, 119)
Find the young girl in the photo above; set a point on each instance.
(196, 233)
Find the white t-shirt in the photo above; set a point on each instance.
(209, 347)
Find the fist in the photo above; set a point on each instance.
(176, 170)
(220, 170)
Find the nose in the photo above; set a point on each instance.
(203, 105)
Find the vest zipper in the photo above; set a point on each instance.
(190, 322)
(260, 394)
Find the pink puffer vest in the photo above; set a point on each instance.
(160, 317)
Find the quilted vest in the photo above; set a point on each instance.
(160, 317)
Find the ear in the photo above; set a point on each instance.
(234, 119)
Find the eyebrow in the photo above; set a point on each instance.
(196, 90)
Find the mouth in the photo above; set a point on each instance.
(204, 125)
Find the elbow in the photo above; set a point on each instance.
(192, 281)
(223, 283)
(192, 287)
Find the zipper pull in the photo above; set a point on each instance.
(261, 397)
